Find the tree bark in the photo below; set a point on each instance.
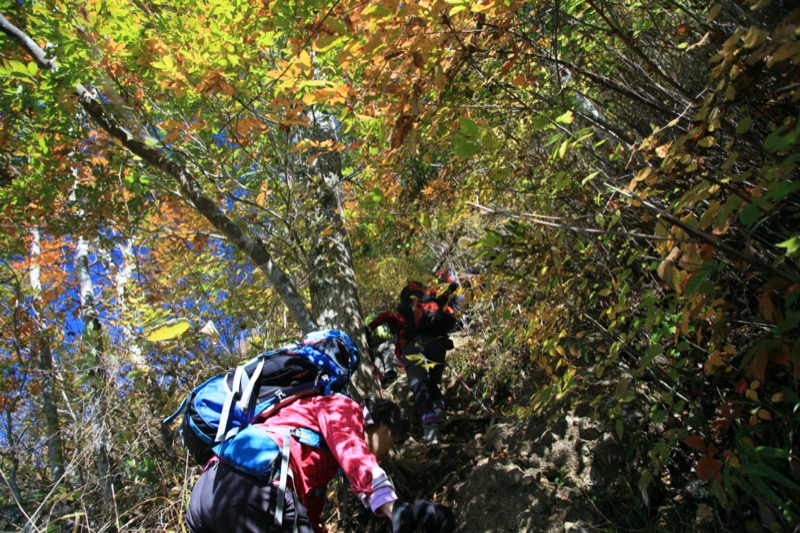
(92, 339)
(335, 299)
(43, 349)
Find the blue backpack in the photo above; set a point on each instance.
(218, 415)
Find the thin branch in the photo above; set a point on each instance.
(709, 239)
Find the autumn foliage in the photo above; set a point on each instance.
(623, 176)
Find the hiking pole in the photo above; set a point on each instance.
(458, 377)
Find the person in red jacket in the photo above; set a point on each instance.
(356, 438)
(397, 324)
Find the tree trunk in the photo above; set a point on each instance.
(335, 300)
(131, 347)
(10, 478)
(43, 349)
(93, 341)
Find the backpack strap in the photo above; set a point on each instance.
(304, 436)
(227, 407)
(167, 421)
(244, 401)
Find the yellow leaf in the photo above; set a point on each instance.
(777, 397)
(706, 142)
(642, 174)
(763, 414)
(713, 12)
(755, 36)
(751, 395)
(168, 331)
(304, 59)
(605, 292)
(310, 98)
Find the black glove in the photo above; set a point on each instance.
(433, 517)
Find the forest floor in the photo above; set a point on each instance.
(498, 473)
(559, 471)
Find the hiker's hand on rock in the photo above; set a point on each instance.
(433, 517)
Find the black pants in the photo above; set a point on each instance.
(424, 382)
(225, 501)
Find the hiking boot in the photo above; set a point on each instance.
(431, 434)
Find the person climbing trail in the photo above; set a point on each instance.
(356, 438)
(397, 326)
(428, 316)
(382, 345)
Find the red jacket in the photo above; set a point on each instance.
(340, 422)
(397, 324)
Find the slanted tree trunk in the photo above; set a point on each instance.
(93, 343)
(44, 358)
(335, 279)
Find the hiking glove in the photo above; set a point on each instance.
(433, 517)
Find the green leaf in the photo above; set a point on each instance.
(749, 215)
(470, 128)
(645, 479)
(744, 125)
(327, 42)
(169, 331)
(780, 140)
(761, 470)
(375, 11)
(463, 147)
(566, 118)
(792, 245)
(590, 177)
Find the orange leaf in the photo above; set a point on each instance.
(758, 366)
(695, 442)
(741, 386)
(781, 355)
(766, 306)
(706, 251)
(708, 468)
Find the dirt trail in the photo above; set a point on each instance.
(498, 473)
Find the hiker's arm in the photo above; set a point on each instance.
(381, 319)
(342, 426)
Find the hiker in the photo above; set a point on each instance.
(421, 325)
(397, 325)
(424, 360)
(381, 339)
(356, 439)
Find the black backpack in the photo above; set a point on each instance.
(217, 415)
(428, 309)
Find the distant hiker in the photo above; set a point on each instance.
(382, 346)
(355, 439)
(428, 316)
(447, 278)
(398, 327)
